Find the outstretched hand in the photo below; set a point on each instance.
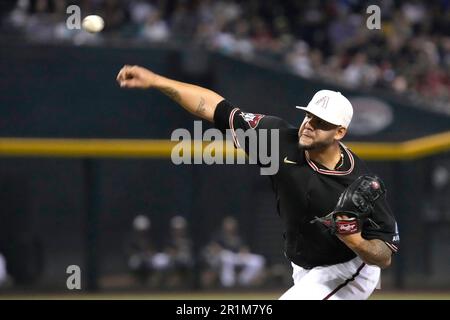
(135, 77)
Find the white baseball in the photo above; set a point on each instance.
(93, 24)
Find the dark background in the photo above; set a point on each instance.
(70, 92)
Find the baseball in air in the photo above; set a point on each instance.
(93, 24)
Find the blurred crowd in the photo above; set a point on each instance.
(224, 261)
(317, 39)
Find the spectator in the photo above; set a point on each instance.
(359, 72)
(156, 29)
(179, 251)
(299, 60)
(408, 56)
(230, 259)
(143, 260)
(3, 272)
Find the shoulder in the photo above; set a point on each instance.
(262, 121)
(233, 117)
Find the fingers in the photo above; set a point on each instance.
(132, 83)
(134, 77)
(120, 76)
(125, 73)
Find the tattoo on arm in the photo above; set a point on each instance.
(375, 251)
(171, 93)
(201, 107)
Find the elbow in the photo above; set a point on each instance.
(385, 263)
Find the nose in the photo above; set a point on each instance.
(308, 124)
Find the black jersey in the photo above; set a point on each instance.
(305, 189)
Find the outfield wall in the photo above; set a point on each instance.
(66, 92)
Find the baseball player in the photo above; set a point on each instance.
(315, 170)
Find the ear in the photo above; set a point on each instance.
(340, 133)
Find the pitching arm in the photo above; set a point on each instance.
(197, 100)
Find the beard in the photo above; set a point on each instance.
(315, 145)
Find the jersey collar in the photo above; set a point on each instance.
(333, 172)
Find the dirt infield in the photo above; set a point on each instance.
(390, 295)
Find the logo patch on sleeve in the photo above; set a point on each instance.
(252, 119)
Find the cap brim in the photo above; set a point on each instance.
(312, 112)
(318, 116)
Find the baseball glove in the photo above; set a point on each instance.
(356, 203)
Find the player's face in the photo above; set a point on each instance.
(316, 133)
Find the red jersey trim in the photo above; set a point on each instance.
(392, 247)
(231, 125)
(333, 172)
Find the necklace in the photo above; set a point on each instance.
(340, 163)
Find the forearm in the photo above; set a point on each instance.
(199, 101)
(373, 252)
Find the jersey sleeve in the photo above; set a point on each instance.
(383, 227)
(232, 119)
(227, 116)
(257, 134)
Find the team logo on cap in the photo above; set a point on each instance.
(252, 119)
(324, 101)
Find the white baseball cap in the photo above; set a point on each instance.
(330, 106)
